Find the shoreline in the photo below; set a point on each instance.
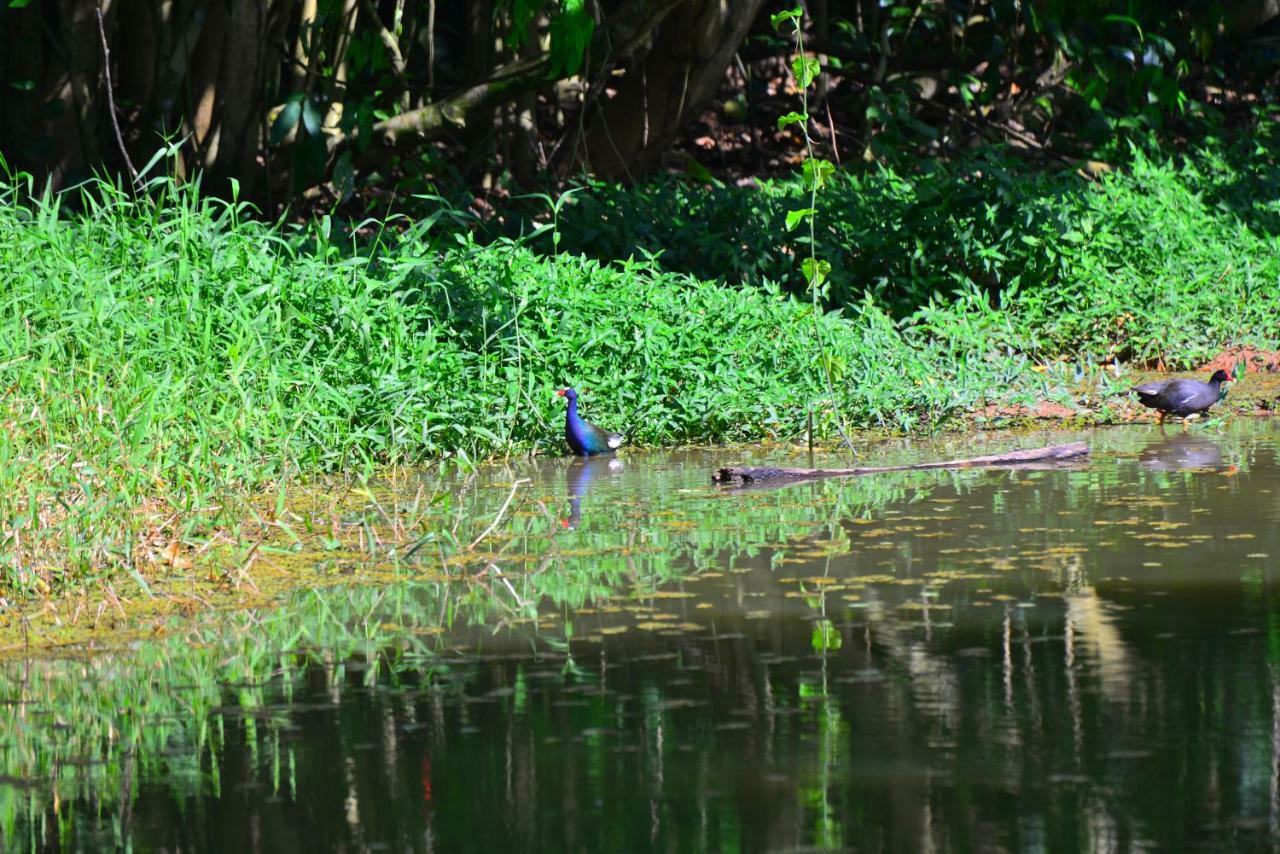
(110, 613)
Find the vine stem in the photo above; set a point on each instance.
(819, 338)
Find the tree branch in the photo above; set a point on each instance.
(385, 36)
(626, 30)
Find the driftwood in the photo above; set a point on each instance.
(1053, 453)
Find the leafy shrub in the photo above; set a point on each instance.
(1163, 262)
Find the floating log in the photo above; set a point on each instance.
(754, 474)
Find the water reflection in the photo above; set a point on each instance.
(1078, 660)
(1183, 451)
(579, 476)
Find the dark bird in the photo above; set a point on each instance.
(1182, 397)
(585, 438)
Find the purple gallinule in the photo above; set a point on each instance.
(585, 438)
(1182, 397)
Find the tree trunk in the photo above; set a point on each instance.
(23, 138)
(479, 64)
(524, 161)
(346, 32)
(206, 70)
(74, 86)
(240, 97)
(663, 89)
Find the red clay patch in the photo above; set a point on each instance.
(1256, 361)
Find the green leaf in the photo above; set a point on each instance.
(522, 12)
(795, 217)
(815, 270)
(791, 118)
(815, 172)
(311, 117)
(826, 637)
(18, 4)
(571, 32)
(779, 18)
(286, 121)
(697, 171)
(805, 68)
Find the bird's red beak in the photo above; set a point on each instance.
(560, 393)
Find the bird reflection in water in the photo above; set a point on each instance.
(1182, 452)
(580, 474)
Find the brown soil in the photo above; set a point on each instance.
(1043, 409)
(1256, 361)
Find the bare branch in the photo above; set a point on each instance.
(111, 98)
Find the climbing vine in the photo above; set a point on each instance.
(815, 172)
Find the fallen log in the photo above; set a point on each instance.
(753, 474)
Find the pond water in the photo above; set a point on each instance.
(1084, 658)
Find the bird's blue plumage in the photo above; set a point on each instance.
(585, 438)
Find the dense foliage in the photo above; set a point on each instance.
(1161, 262)
(335, 100)
(160, 350)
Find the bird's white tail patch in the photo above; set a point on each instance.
(614, 441)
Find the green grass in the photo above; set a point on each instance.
(164, 355)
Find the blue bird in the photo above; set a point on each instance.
(585, 438)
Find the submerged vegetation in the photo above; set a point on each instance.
(164, 352)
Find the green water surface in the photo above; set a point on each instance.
(1081, 658)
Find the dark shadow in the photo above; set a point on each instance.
(905, 238)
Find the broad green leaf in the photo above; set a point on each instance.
(795, 217)
(522, 12)
(826, 637)
(815, 271)
(697, 171)
(571, 32)
(791, 118)
(779, 18)
(311, 117)
(805, 68)
(344, 176)
(286, 121)
(815, 172)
